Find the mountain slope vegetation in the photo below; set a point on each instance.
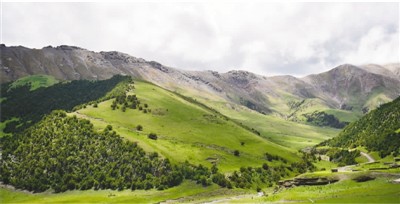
(29, 106)
(377, 131)
(287, 133)
(185, 130)
(66, 153)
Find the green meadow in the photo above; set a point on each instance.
(287, 133)
(380, 190)
(186, 131)
(188, 189)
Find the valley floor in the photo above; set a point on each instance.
(383, 189)
(186, 192)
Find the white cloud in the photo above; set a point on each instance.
(266, 38)
(378, 45)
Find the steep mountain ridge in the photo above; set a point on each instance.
(347, 84)
(389, 70)
(345, 88)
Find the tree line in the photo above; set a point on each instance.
(320, 118)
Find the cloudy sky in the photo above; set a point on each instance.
(265, 38)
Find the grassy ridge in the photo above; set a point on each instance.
(185, 131)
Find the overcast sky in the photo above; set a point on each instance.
(265, 38)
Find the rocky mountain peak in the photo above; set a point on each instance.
(242, 73)
(240, 77)
(67, 47)
(214, 73)
(345, 69)
(114, 55)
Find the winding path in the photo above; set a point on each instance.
(349, 167)
(370, 159)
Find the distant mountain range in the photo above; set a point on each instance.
(346, 91)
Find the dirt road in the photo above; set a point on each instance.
(350, 167)
(370, 159)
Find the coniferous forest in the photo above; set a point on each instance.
(65, 153)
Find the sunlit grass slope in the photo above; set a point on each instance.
(185, 131)
(36, 81)
(290, 134)
(287, 133)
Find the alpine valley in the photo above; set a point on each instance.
(84, 126)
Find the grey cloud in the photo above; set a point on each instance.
(266, 38)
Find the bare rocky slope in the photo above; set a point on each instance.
(346, 87)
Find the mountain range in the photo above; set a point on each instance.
(346, 91)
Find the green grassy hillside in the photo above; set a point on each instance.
(35, 81)
(300, 108)
(186, 131)
(292, 135)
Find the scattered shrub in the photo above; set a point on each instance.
(363, 178)
(152, 136)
